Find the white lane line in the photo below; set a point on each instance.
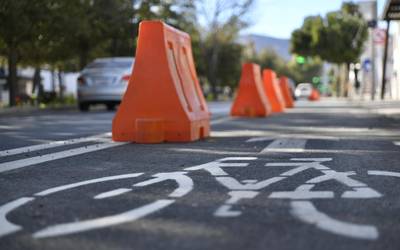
(384, 173)
(209, 151)
(87, 182)
(397, 143)
(81, 226)
(302, 192)
(238, 133)
(99, 137)
(107, 143)
(7, 166)
(312, 159)
(7, 227)
(261, 139)
(225, 210)
(308, 137)
(185, 183)
(233, 184)
(361, 193)
(285, 145)
(112, 193)
(27, 149)
(306, 212)
(220, 120)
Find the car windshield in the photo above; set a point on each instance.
(110, 64)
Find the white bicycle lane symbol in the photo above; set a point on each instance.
(300, 199)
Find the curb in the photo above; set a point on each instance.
(33, 110)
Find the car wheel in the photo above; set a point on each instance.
(84, 107)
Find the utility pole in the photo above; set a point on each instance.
(368, 9)
(383, 90)
(373, 59)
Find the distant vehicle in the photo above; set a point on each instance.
(303, 90)
(104, 81)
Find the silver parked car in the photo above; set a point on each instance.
(104, 81)
(303, 90)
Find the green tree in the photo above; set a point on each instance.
(304, 72)
(228, 66)
(110, 28)
(271, 60)
(66, 35)
(307, 40)
(20, 21)
(337, 38)
(223, 21)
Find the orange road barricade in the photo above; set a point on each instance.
(286, 93)
(314, 95)
(273, 91)
(250, 100)
(163, 101)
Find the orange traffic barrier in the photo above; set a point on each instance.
(273, 91)
(314, 95)
(286, 93)
(250, 100)
(163, 101)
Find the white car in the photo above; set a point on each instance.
(303, 90)
(104, 81)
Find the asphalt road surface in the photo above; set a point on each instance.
(325, 175)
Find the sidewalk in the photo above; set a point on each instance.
(387, 108)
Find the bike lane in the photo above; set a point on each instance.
(264, 196)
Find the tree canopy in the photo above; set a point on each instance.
(336, 38)
(305, 72)
(67, 35)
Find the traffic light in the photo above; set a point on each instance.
(300, 59)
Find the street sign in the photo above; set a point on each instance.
(372, 24)
(367, 65)
(379, 36)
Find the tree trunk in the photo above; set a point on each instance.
(212, 69)
(338, 80)
(357, 80)
(53, 81)
(36, 80)
(12, 76)
(357, 83)
(343, 80)
(61, 84)
(346, 81)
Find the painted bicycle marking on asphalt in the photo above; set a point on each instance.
(301, 198)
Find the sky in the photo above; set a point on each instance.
(278, 18)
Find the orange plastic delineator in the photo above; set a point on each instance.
(286, 93)
(163, 101)
(273, 91)
(314, 95)
(250, 100)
